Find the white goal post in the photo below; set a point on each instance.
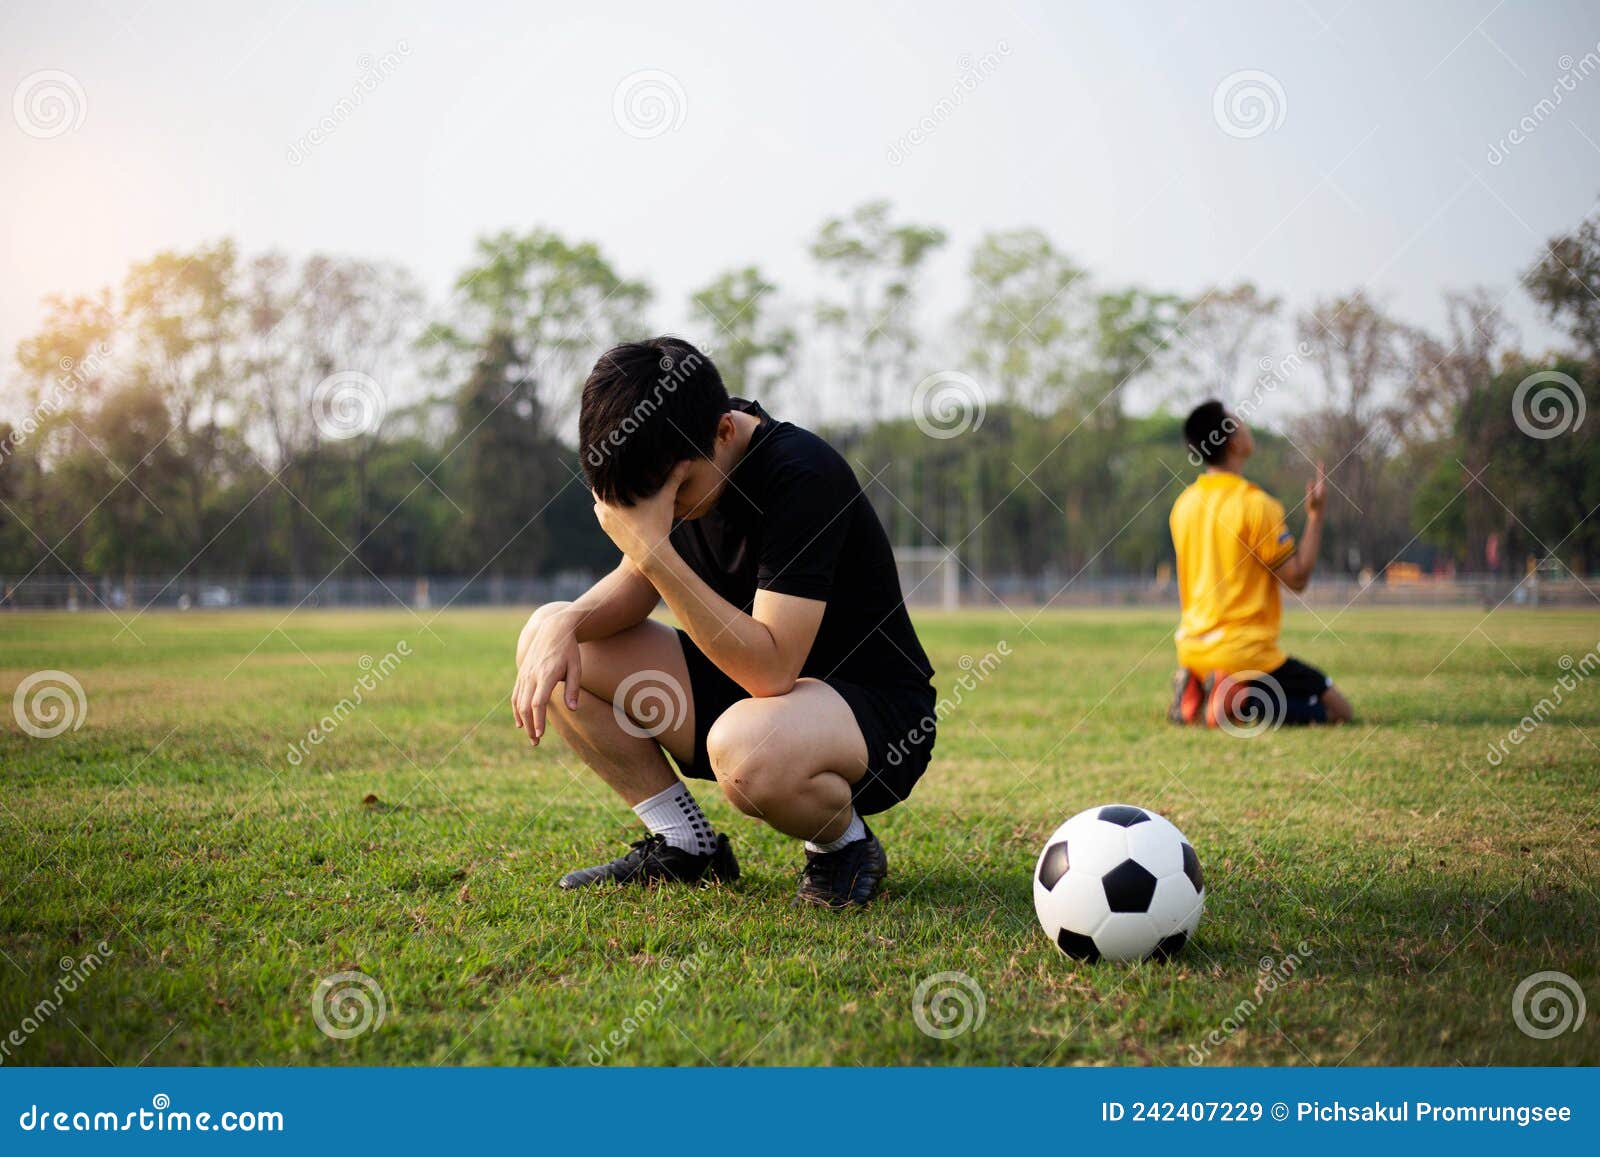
(930, 576)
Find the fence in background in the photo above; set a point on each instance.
(86, 594)
(1325, 591)
(930, 582)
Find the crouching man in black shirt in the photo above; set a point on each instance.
(796, 680)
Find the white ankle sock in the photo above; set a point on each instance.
(856, 831)
(674, 815)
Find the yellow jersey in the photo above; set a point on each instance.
(1230, 535)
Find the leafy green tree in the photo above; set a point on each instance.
(181, 318)
(550, 307)
(1132, 327)
(1223, 334)
(1545, 487)
(325, 343)
(125, 481)
(1360, 354)
(1447, 374)
(416, 532)
(1565, 282)
(507, 464)
(65, 365)
(875, 265)
(752, 352)
(534, 312)
(1026, 317)
(15, 461)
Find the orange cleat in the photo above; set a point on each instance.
(1189, 696)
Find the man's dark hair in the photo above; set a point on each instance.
(1207, 430)
(647, 406)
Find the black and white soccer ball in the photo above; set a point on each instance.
(1118, 883)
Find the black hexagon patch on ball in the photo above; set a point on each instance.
(1129, 887)
(1077, 945)
(1122, 815)
(1170, 946)
(1053, 865)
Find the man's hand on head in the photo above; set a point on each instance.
(641, 530)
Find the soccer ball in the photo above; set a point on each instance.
(1118, 883)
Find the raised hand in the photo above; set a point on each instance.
(1317, 492)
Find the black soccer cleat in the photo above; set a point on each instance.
(652, 859)
(850, 876)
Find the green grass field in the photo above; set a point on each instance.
(1416, 882)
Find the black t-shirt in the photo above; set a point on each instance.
(793, 519)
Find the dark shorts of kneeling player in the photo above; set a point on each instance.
(1289, 696)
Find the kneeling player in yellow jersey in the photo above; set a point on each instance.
(1234, 548)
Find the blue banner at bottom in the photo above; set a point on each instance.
(933, 1110)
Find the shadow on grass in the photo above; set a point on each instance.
(1398, 926)
(1402, 926)
(971, 898)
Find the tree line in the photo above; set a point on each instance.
(223, 414)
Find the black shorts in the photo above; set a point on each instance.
(897, 723)
(1298, 692)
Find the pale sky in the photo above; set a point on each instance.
(1096, 124)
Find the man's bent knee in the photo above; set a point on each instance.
(741, 759)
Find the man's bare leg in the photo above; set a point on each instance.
(791, 760)
(632, 764)
(633, 707)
